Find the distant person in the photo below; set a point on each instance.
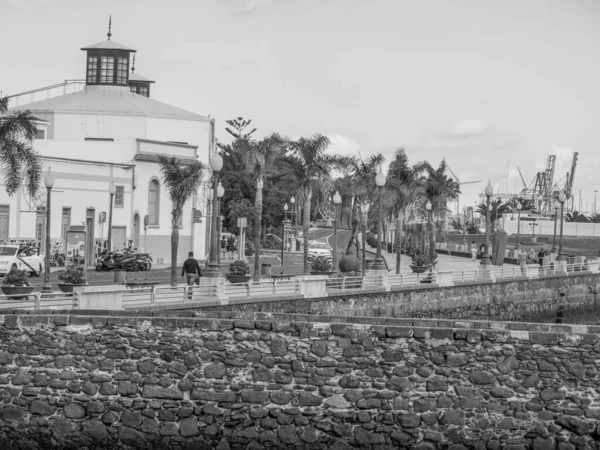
(482, 249)
(473, 251)
(223, 247)
(192, 271)
(231, 246)
(541, 257)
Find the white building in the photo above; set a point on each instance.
(111, 130)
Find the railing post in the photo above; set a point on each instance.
(418, 278)
(186, 291)
(401, 279)
(275, 286)
(37, 301)
(343, 283)
(153, 296)
(248, 292)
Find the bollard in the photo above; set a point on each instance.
(120, 276)
(265, 270)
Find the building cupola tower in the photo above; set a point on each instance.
(108, 62)
(137, 83)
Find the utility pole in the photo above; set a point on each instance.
(595, 194)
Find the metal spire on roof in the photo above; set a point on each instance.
(133, 65)
(109, 34)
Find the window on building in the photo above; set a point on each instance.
(122, 70)
(99, 139)
(66, 223)
(119, 196)
(40, 134)
(4, 209)
(92, 69)
(133, 89)
(143, 90)
(153, 202)
(40, 220)
(107, 68)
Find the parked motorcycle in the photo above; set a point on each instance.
(114, 260)
(144, 261)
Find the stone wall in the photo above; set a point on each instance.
(258, 380)
(523, 299)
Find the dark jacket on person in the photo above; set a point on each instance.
(191, 266)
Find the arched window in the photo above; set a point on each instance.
(153, 202)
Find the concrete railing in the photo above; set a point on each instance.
(162, 297)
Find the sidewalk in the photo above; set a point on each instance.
(445, 262)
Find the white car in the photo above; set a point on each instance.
(22, 258)
(319, 249)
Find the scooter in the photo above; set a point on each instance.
(113, 260)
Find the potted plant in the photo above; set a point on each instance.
(239, 272)
(321, 265)
(73, 275)
(16, 285)
(421, 261)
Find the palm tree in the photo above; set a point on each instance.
(404, 184)
(527, 204)
(362, 176)
(498, 208)
(307, 161)
(576, 216)
(259, 156)
(17, 157)
(182, 181)
(439, 189)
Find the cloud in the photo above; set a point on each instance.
(471, 127)
(342, 145)
(245, 6)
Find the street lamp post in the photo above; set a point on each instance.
(519, 206)
(49, 182)
(220, 194)
(485, 259)
(378, 264)
(556, 206)
(464, 241)
(213, 270)
(285, 210)
(337, 199)
(111, 190)
(562, 198)
(364, 207)
(429, 234)
(294, 217)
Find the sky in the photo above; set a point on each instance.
(488, 85)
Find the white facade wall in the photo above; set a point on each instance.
(546, 227)
(84, 170)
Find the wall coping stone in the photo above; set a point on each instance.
(250, 320)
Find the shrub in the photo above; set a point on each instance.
(371, 239)
(74, 274)
(249, 250)
(16, 277)
(239, 267)
(349, 263)
(422, 258)
(321, 264)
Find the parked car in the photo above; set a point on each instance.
(22, 258)
(318, 249)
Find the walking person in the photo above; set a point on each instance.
(192, 271)
(231, 246)
(482, 249)
(223, 247)
(541, 257)
(473, 251)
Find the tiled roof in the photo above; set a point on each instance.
(109, 99)
(107, 45)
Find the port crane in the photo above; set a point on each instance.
(460, 183)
